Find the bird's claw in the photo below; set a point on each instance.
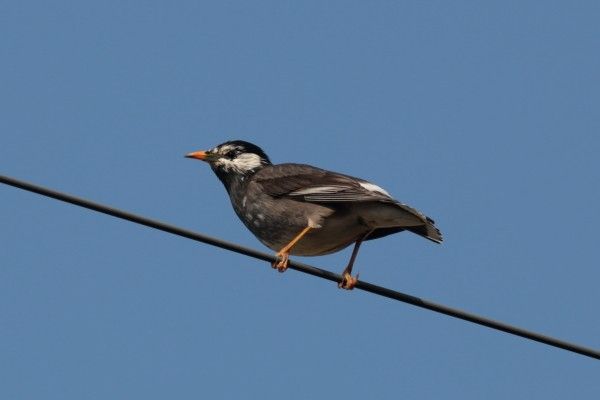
(348, 281)
(281, 264)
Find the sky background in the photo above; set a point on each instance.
(484, 115)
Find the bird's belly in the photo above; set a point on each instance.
(321, 242)
(335, 234)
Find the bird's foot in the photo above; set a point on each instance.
(348, 281)
(281, 264)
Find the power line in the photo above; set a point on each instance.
(307, 269)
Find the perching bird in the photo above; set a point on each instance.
(307, 211)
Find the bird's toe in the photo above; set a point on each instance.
(348, 281)
(281, 264)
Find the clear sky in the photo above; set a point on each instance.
(484, 115)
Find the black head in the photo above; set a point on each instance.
(232, 159)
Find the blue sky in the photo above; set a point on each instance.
(484, 115)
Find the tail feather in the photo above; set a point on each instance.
(428, 230)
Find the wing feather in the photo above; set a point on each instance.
(315, 185)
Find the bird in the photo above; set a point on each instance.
(298, 209)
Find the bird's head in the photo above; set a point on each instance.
(232, 159)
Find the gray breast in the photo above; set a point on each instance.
(276, 221)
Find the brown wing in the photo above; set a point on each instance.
(310, 184)
(315, 185)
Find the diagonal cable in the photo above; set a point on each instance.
(307, 269)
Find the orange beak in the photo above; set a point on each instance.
(199, 155)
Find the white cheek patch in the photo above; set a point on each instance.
(248, 161)
(242, 163)
(371, 187)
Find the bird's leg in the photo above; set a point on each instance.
(283, 255)
(348, 281)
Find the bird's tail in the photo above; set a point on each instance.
(428, 231)
(426, 228)
(390, 218)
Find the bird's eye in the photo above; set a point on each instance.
(231, 154)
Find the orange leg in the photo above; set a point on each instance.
(284, 254)
(348, 281)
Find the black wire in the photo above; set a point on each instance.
(307, 269)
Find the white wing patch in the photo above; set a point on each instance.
(342, 193)
(317, 190)
(371, 187)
